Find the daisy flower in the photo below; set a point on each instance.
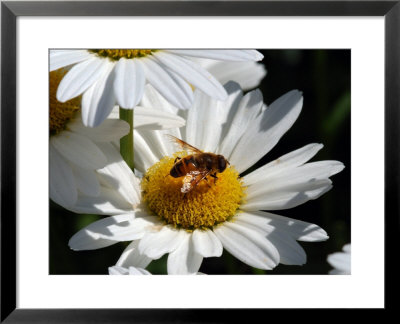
(341, 261)
(76, 151)
(231, 212)
(106, 77)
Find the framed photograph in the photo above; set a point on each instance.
(286, 162)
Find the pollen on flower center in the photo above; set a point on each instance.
(207, 205)
(60, 112)
(116, 54)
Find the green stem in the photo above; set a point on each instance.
(126, 142)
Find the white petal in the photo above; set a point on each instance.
(108, 202)
(117, 175)
(337, 272)
(226, 55)
(184, 260)
(155, 244)
(79, 150)
(248, 108)
(301, 231)
(247, 74)
(138, 271)
(132, 257)
(203, 125)
(108, 231)
(80, 78)
(287, 161)
(290, 252)
(114, 114)
(99, 100)
(153, 99)
(206, 243)
(152, 119)
(347, 248)
(160, 79)
(129, 83)
(193, 73)
(292, 187)
(110, 130)
(341, 261)
(266, 130)
(285, 200)
(235, 95)
(62, 181)
(144, 155)
(247, 245)
(86, 181)
(116, 270)
(302, 178)
(62, 58)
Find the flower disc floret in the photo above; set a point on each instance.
(60, 112)
(208, 204)
(116, 54)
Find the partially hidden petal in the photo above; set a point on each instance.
(107, 231)
(79, 150)
(155, 244)
(153, 119)
(107, 202)
(110, 130)
(62, 181)
(132, 257)
(118, 176)
(86, 181)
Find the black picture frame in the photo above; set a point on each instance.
(10, 10)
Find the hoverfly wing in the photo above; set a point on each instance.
(183, 144)
(192, 179)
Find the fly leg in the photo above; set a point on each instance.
(214, 175)
(206, 178)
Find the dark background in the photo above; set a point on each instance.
(324, 78)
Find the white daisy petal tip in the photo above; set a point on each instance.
(339, 167)
(313, 233)
(340, 261)
(258, 56)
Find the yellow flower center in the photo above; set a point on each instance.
(211, 202)
(116, 54)
(60, 113)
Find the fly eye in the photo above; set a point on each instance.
(221, 163)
